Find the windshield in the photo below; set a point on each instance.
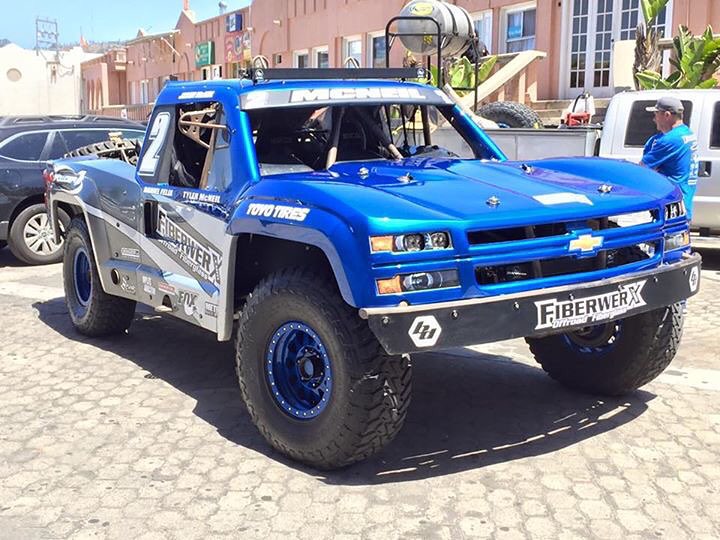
(298, 139)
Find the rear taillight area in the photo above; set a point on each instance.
(48, 177)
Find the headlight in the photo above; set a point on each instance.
(405, 243)
(419, 281)
(675, 210)
(677, 240)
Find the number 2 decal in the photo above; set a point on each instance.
(157, 135)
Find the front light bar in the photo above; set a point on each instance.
(419, 281)
(405, 243)
(675, 210)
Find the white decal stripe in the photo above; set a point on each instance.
(151, 250)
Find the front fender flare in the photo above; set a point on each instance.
(320, 229)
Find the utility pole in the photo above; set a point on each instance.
(47, 37)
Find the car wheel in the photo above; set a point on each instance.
(31, 238)
(613, 358)
(314, 378)
(93, 312)
(508, 114)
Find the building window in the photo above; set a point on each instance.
(14, 74)
(144, 91)
(630, 15)
(321, 57)
(715, 134)
(603, 44)
(520, 29)
(352, 48)
(482, 22)
(301, 59)
(376, 50)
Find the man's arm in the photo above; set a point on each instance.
(658, 153)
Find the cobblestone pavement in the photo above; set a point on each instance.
(145, 436)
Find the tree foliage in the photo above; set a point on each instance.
(647, 52)
(695, 60)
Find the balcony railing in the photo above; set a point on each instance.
(138, 113)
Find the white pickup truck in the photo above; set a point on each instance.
(626, 128)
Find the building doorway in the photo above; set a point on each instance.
(591, 27)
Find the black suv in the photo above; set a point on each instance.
(26, 143)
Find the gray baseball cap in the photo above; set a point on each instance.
(667, 104)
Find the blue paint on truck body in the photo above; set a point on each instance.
(481, 203)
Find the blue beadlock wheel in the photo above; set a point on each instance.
(595, 339)
(81, 274)
(299, 371)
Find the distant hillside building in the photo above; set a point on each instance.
(41, 83)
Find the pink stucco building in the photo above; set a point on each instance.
(577, 35)
(127, 80)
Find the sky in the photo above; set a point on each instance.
(98, 20)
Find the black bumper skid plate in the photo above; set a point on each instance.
(404, 329)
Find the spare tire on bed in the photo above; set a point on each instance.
(509, 114)
(124, 149)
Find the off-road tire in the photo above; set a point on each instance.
(510, 114)
(371, 390)
(19, 244)
(645, 346)
(104, 314)
(123, 149)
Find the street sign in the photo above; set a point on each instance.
(204, 53)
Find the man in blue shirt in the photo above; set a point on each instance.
(673, 151)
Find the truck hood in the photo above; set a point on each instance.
(548, 189)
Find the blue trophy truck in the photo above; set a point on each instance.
(317, 224)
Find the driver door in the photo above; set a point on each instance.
(185, 173)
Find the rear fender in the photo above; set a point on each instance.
(80, 191)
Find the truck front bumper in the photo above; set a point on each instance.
(412, 328)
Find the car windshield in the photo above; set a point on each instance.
(294, 139)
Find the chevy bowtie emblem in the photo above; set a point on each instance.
(585, 242)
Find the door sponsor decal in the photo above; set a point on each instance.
(148, 286)
(130, 253)
(425, 331)
(166, 288)
(203, 260)
(127, 283)
(554, 313)
(199, 196)
(211, 309)
(164, 192)
(188, 301)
